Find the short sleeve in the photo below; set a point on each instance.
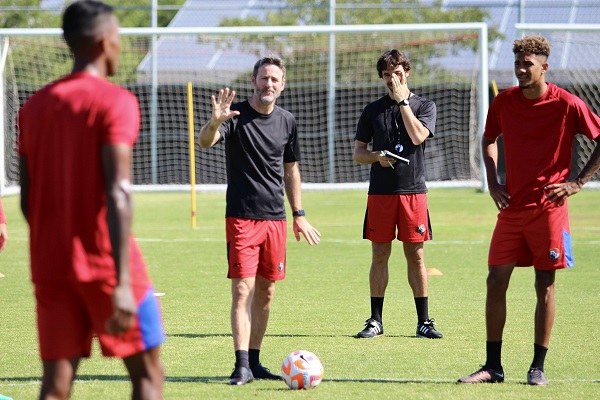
(122, 121)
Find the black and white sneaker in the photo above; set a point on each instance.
(372, 329)
(427, 330)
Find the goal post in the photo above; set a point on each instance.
(331, 77)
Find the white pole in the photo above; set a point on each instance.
(154, 100)
(484, 97)
(331, 98)
(4, 43)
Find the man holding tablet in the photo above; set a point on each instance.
(397, 126)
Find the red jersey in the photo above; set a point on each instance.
(538, 139)
(2, 216)
(62, 129)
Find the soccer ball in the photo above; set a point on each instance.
(302, 370)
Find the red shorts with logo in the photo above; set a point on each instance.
(401, 216)
(256, 247)
(539, 236)
(70, 314)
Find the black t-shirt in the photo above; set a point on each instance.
(381, 123)
(256, 147)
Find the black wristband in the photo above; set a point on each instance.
(299, 213)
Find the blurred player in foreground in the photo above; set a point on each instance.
(538, 122)
(399, 123)
(3, 231)
(262, 149)
(75, 144)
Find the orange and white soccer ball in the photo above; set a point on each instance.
(302, 370)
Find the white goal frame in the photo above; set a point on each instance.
(482, 55)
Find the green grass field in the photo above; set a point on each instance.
(324, 302)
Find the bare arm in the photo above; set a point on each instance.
(116, 164)
(417, 132)
(489, 148)
(24, 182)
(221, 112)
(363, 155)
(3, 231)
(558, 192)
(292, 182)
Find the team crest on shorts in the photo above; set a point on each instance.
(554, 254)
(280, 268)
(421, 229)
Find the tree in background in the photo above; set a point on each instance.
(26, 14)
(349, 12)
(51, 56)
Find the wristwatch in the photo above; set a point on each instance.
(403, 102)
(299, 213)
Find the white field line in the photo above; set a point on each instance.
(323, 240)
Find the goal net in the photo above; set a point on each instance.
(331, 77)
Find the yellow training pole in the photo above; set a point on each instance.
(192, 152)
(494, 88)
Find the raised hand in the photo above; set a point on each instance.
(221, 106)
(400, 88)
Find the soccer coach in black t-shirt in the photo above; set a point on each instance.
(397, 123)
(262, 151)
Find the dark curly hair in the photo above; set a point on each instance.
(391, 59)
(532, 44)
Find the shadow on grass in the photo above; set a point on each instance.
(280, 335)
(225, 380)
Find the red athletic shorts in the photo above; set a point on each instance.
(69, 314)
(405, 213)
(540, 237)
(256, 247)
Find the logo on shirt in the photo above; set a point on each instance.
(421, 229)
(554, 254)
(399, 148)
(280, 268)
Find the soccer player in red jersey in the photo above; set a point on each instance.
(75, 144)
(399, 122)
(3, 231)
(538, 122)
(262, 149)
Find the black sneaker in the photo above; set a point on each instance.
(241, 376)
(372, 329)
(484, 375)
(427, 330)
(536, 377)
(260, 372)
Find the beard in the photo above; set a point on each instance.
(267, 97)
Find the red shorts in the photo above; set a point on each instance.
(406, 213)
(539, 237)
(256, 247)
(69, 314)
